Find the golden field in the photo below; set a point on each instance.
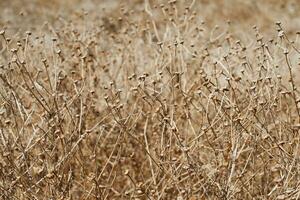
(149, 99)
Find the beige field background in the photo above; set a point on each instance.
(145, 99)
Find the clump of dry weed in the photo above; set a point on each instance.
(149, 102)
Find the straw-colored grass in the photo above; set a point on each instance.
(149, 99)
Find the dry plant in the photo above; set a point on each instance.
(149, 100)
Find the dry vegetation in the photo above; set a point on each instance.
(149, 100)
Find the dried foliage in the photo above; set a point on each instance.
(149, 100)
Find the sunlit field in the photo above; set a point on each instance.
(149, 99)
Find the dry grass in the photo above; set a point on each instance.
(149, 100)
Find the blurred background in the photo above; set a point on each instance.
(26, 14)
